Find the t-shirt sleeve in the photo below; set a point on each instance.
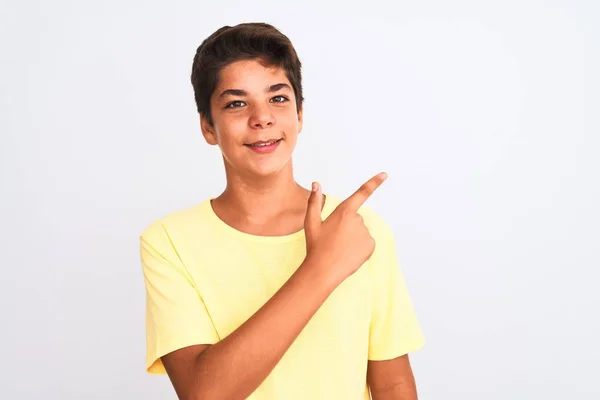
(176, 316)
(395, 330)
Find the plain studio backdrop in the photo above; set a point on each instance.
(484, 114)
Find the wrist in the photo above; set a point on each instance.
(320, 272)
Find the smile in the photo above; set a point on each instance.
(264, 144)
(264, 147)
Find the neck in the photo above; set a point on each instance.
(247, 196)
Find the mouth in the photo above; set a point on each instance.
(264, 146)
(263, 143)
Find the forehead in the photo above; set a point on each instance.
(249, 74)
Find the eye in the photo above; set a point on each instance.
(235, 104)
(279, 99)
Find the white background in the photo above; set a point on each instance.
(484, 114)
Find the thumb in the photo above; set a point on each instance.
(312, 221)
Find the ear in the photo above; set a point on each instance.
(208, 131)
(300, 118)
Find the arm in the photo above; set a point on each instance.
(391, 379)
(234, 367)
(182, 335)
(395, 331)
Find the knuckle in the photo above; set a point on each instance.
(365, 189)
(346, 212)
(371, 245)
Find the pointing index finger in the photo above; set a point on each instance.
(358, 198)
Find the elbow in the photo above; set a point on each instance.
(396, 392)
(208, 389)
(211, 393)
(201, 392)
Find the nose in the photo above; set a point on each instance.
(261, 118)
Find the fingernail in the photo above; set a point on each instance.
(383, 175)
(315, 187)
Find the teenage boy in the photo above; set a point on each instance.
(271, 290)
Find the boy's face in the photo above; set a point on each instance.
(253, 104)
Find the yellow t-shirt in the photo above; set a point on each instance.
(204, 279)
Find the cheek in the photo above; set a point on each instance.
(230, 131)
(228, 145)
(289, 120)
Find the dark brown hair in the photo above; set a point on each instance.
(245, 41)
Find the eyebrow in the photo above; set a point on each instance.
(239, 92)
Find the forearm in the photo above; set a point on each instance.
(234, 367)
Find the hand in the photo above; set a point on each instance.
(341, 243)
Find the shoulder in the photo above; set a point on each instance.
(179, 224)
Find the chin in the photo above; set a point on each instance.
(268, 169)
(269, 165)
(261, 166)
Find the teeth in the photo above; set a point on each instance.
(263, 144)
